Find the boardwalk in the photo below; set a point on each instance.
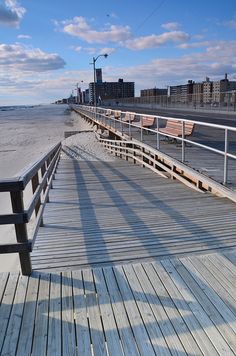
(114, 212)
(127, 263)
(179, 307)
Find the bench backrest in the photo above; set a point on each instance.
(129, 116)
(117, 114)
(147, 121)
(108, 112)
(177, 126)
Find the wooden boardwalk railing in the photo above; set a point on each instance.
(40, 174)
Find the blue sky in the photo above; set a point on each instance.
(46, 46)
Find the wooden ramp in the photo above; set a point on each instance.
(179, 307)
(106, 213)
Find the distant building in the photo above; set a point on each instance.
(197, 93)
(182, 93)
(218, 89)
(98, 75)
(153, 92)
(110, 90)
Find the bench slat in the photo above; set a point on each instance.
(174, 128)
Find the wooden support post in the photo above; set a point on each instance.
(43, 170)
(21, 232)
(35, 184)
(134, 154)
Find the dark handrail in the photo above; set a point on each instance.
(46, 166)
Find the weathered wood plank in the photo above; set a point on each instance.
(122, 320)
(3, 281)
(109, 324)
(181, 304)
(96, 328)
(140, 333)
(207, 304)
(41, 317)
(206, 323)
(214, 283)
(6, 304)
(81, 319)
(229, 317)
(152, 324)
(68, 328)
(28, 320)
(54, 315)
(14, 324)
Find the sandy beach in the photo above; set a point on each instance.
(27, 133)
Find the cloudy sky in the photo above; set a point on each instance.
(46, 47)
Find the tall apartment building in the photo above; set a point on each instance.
(207, 91)
(110, 90)
(197, 93)
(219, 87)
(182, 93)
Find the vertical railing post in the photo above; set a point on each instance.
(35, 184)
(43, 171)
(226, 158)
(158, 135)
(21, 232)
(141, 127)
(183, 142)
(129, 127)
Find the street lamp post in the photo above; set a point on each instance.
(94, 77)
(77, 89)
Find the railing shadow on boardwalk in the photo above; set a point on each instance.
(127, 211)
(68, 323)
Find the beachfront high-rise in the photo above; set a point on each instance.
(110, 90)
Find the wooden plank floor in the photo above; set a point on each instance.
(179, 306)
(104, 213)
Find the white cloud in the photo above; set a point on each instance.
(79, 27)
(153, 41)
(11, 13)
(121, 35)
(90, 50)
(24, 37)
(17, 57)
(171, 26)
(230, 24)
(77, 49)
(193, 45)
(107, 50)
(214, 61)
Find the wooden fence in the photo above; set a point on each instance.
(40, 174)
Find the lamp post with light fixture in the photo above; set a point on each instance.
(94, 78)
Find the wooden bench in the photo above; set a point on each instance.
(108, 112)
(117, 114)
(145, 121)
(129, 116)
(174, 128)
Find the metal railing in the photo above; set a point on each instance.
(40, 174)
(220, 101)
(116, 120)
